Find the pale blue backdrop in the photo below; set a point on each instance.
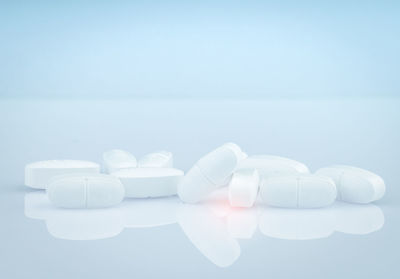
(219, 49)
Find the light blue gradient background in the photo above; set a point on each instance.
(201, 49)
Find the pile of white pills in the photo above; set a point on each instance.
(278, 181)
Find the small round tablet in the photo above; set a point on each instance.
(298, 191)
(355, 184)
(243, 188)
(160, 159)
(149, 182)
(85, 191)
(38, 174)
(117, 159)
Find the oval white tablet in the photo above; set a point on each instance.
(160, 159)
(243, 188)
(117, 159)
(355, 184)
(209, 173)
(149, 182)
(300, 191)
(38, 174)
(85, 191)
(272, 165)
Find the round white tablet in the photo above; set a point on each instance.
(117, 159)
(243, 188)
(160, 159)
(149, 182)
(38, 174)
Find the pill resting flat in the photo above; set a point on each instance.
(277, 181)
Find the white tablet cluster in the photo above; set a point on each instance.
(278, 181)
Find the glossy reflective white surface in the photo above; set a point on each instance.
(144, 238)
(213, 232)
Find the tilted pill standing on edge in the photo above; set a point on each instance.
(243, 188)
(117, 159)
(85, 191)
(210, 172)
(272, 165)
(38, 174)
(355, 184)
(149, 182)
(160, 159)
(298, 191)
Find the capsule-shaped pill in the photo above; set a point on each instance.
(38, 174)
(268, 165)
(243, 188)
(117, 159)
(160, 159)
(85, 191)
(209, 173)
(149, 182)
(300, 191)
(355, 184)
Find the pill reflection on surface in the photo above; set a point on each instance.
(209, 234)
(295, 224)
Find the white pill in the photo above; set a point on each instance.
(38, 174)
(355, 184)
(149, 182)
(299, 191)
(243, 188)
(268, 165)
(160, 159)
(209, 173)
(117, 159)
(85, 191)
